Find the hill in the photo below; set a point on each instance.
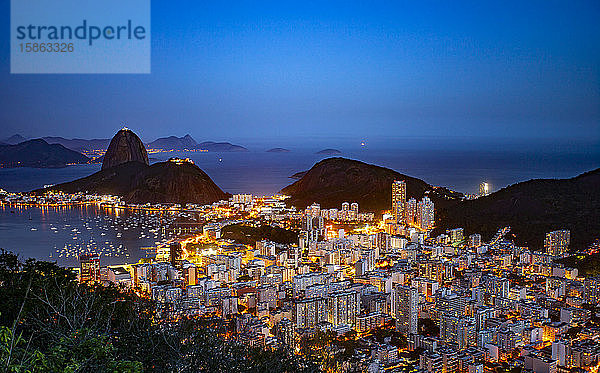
(335, 180)
(124, 147)
(329, 152)
(79, 145)
(14, 139)
(39, 154)
(212, 146)
(163, 182)
(278, 150)
(532, 209)
(174, 143)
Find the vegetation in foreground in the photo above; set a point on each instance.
(51, 323)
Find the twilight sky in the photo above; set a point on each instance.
(229, 71)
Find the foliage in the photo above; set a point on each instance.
(248, 235)
(428, 328)
(588, 265)
(51, 323)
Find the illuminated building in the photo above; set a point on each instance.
(398, 200)
(475, 240)
(456, 235)
(591, 290)
(343, 307)
(285, 333)
(405, 308)
(90, 267)
(484, 189)
(425, 214)
(309, 312)
(313, 210)
(557, 242)
(410, 211)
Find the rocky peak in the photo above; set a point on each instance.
(124, 147)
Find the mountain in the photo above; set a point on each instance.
(79, 145)
(532, 209)
(212, 146)
(136, 182)
(329, 152)
(278, 150)
(335, 180)
(188, 143)
(124, 147)
(39, 154)
(174, 143)
(14, 139)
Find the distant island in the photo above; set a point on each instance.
(278, 150)
(329, 152)
(39, 154)
(187, 142)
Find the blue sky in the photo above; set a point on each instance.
(236, 70)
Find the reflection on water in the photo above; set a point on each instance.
(61, 233)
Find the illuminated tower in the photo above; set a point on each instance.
(405, 308)
(90, 267)
(398, 200)
(425, 214)
(557, 242)
(410, 211)
(484, 189)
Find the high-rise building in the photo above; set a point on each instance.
(309, 312)
(314, 209)
(591, 290)
(285, 332)
(410, 211)
(405, 308)
(174, 252)
(343, 307)
(90, 267)
(425, 214)
(484, 189)
(557, 242)
(475, 240)
(354, 208)
(398, 200)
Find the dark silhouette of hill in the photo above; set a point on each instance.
(39, 154)
(14, 139)
(278, 150)
(78, 145)
(212, 146)
(329, 152)
(532, 209)
(174, 143)
(163, 182)
(124, 147)
(335, 180)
